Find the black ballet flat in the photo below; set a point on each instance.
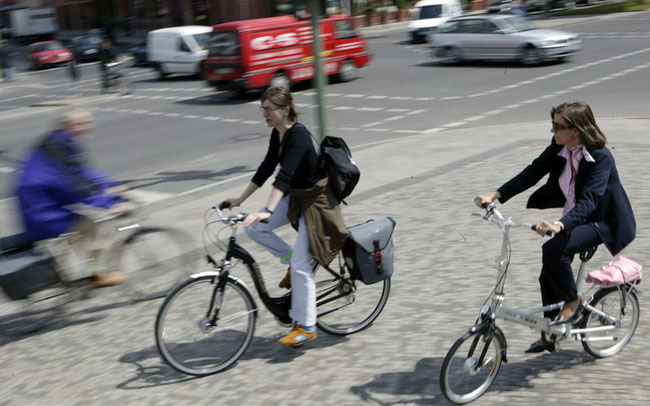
(536, 347)
(573, 319)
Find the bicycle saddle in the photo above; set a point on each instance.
(586, 255)
(13, 244)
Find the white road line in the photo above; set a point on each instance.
(210, 118)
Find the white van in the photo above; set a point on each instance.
(178, 49)
(429, 14)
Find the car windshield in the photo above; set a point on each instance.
(499, 2)
(202, 39)
(519, 24)
(224, 44)
(433, 11)
(48, 46)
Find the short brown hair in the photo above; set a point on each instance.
(579, 115)
(281, 97)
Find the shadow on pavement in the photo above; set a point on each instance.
(260, 348)
(421, 386)
(181, 176)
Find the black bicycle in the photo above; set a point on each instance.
(206, 323)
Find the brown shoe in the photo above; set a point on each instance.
(104, 279)
(286, 281)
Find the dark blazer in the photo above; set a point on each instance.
(600, 197)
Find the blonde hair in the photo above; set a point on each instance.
(579, 115)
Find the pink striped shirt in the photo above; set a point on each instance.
(567, 179)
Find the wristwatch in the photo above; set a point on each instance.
(559, 224)
(267, 210)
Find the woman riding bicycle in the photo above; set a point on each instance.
(584, 181)
(300, 195)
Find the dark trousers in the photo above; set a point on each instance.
(556, 280)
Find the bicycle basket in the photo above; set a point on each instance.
(368, 251)
(27, 272)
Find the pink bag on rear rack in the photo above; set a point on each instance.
(620, 271)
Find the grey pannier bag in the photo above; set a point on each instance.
(368, 251)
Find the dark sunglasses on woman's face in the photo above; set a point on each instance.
(560, 127)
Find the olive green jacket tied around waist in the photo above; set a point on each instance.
(327, 231)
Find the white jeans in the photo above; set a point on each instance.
(303, 287)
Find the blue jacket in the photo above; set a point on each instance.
(600, 197)
(49, 182)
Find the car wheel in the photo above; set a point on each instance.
(349, 71)
(451, 55)
(530, 56)
(280, 79)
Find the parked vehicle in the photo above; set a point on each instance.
(48, 53)
(139, 53)
(429, 14)
(31, 23)
(499, 6)
(86, 47)
(501, 37)
(277, 51)
(178, 49)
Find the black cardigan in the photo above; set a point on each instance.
(297, 159)
(600, 197)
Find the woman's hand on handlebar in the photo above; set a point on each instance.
(254, 218)
(483, 201)
(234, 202)
(544, 228)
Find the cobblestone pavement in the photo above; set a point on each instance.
(103, 351)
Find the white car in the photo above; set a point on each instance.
(501, 37)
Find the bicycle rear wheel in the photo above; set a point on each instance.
(606, 343)
(155, 258)
(462, 379)
(195, 340)
(346, 306)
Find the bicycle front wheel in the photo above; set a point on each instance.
(201, 329)
(125, 85)
(471, 365)
(616, 333)
(346, 306)
(156, 259)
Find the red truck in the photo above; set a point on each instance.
(276, 51)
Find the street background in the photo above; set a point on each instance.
(459, 131)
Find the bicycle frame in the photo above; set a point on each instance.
(496, 309)
(278, 306)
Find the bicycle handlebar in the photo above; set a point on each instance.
(491, 210)
(236, 218)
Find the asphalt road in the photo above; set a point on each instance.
(176, 135)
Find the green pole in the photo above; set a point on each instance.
(314, 8)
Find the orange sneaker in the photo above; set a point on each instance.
(297, 337)
(286, 281)
(104, 279)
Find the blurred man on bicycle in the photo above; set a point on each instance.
(106, 56)
(56, 175)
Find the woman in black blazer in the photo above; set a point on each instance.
(584, 181)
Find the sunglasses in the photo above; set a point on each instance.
(269, 109)
(560, 127)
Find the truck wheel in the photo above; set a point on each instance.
(349, 71)
(161, 72)
(280, 79)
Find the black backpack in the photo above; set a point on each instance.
(335, 162)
